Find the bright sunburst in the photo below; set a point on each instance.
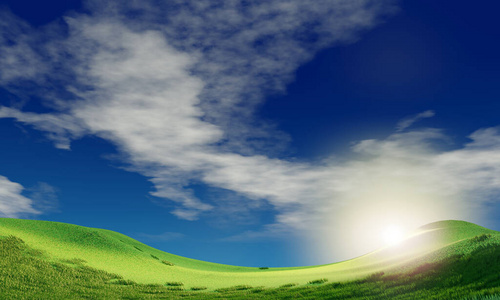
(392, 235)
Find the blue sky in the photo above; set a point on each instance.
(263, 133)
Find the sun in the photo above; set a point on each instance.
(392, 235)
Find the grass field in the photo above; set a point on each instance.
(450, 259)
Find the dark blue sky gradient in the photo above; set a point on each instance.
(434, 55)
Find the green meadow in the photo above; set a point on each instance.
(50, 260)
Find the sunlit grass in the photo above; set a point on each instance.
(24, 273)
(468, 267)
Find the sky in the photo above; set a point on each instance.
(252, 133)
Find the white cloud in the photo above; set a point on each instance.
(12, 203)
(407, 122)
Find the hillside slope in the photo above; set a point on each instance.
(116, 253)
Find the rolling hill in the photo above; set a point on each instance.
(63, 245)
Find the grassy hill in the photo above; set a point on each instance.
(112, 264)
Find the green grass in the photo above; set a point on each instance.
(40, 260)
(26, 274)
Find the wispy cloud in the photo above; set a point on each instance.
(44, 197)
(12, 203)
(409, 121)
(60, 128)
(17, 41)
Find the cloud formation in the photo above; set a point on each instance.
(12, 203)
(174, 88)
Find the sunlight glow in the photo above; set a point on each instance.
(393, 235)
(383, 201)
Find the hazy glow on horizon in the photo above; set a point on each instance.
(387, 198)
